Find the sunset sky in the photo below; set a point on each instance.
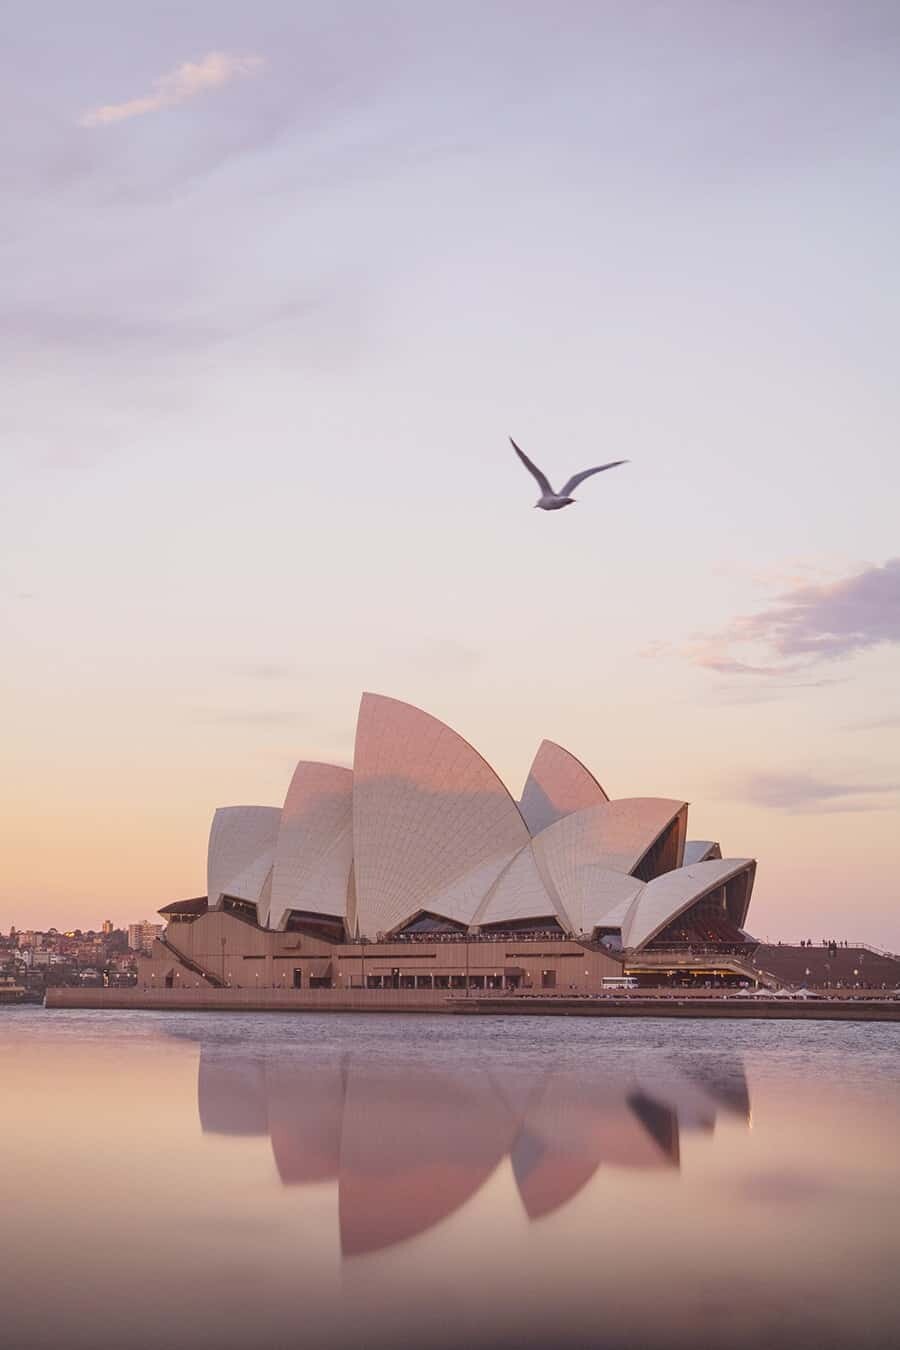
(280, 279)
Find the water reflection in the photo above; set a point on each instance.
(409, 1145)
(377, 1182)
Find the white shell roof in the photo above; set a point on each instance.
(463, 897)
(699, 850)
(664, 898)
(314, 849)
(557, 785)
(422, 823)
(601, 898)
(241, 851)
(520, 893)
(615, 835)
(427, 812)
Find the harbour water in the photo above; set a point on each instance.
(232, 1180)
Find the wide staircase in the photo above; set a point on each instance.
(777, 966)
(856, 967)
(730, 959)
(215, 980)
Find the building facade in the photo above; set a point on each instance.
(141, 936)
(417, 869)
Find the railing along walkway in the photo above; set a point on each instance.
(685, 958)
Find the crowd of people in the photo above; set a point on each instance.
(496, 935)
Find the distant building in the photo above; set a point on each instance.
(10, 989)
(107, 927)
(141, 936)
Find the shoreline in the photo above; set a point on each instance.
(402, 1001)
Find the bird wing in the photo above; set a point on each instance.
(586, 473)
(533, 469)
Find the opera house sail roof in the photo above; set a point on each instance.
(421, 835)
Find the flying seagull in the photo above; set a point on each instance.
(555, 501)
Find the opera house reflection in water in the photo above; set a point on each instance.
(407, 1147)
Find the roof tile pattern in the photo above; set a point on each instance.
(463, 898)
(427, 810)
(615, 835)
(700, 850)
(519, 893)
(664, 898)
(241, 851)
(423, 823)
(597, 897)
(557, 785)
(315, 843)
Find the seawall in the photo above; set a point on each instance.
(424, 1001)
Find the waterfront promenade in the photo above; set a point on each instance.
(848, 1006)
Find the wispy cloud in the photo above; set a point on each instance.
(889, 723)
(804, 792)
(256, 717)
(807, 625)
(445, 656)
(268, 671)
(49, 326)
(746, 692)
(178, 86)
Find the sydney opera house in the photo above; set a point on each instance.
(417, 870)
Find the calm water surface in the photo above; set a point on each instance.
(271, 1181)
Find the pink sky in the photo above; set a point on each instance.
(282, 283)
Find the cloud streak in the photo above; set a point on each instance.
(889, 723)
(142, 327)
(804, 792)
(255, 717)
(215, 70)
(807, 625)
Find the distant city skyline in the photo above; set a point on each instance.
(283, 281)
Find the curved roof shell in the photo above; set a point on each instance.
(464, 897)
(520, 893)
(558, 784)
(433, 825)
(314, 848)
(615, 835)
(597, 897)
(700, 850)
(663, 899)
(241, 852)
